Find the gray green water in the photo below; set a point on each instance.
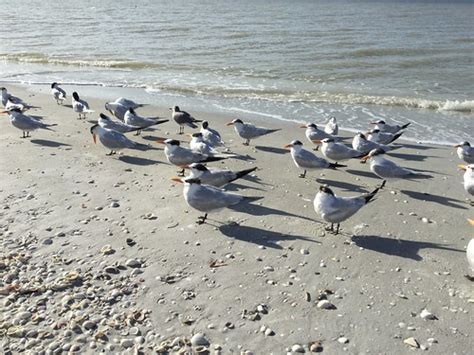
(292, 60)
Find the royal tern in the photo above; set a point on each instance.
(249, 131)
(25, 123)
(314, 134)
(80, 106)
(332, 127)
(363, 145)
(384, 127)
(116, 109)
(131, 118)
(382, 137)
(335, 209)
(465, 152)
(211, 136)
(113, 140)
(182, 157)
(306, 160)
(206, 198)
(216, 177)
(58, 93)
(118, 126)
(337, 151)
(128, 103)
(11, 102)
(182, 118)
(198, 145)
(470, 253)
(387, 169)
(468, 178)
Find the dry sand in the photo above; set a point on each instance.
(401, 254)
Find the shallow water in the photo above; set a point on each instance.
(293, 60)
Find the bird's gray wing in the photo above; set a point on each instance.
(209, 198)
(309, 160)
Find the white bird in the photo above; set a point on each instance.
(306, 160)
(216, 177)
(128, 103)
(116, 109)
(337, 151)
(249, 131)
(465, 152)
(131, 118)
(363, 145)
(468, 178)
(314, 134)
(211, 136)
(335, 209)
(382, 137)
(198, 145)
(11, 102)
(182, 118)
(118, 126)
(384, 127)
(26, 123)
(58, 93)
(331, 127)
(206, 198)
(470, 253)
(387, 169)
(80, 106)
(182, 157)
(113, 140)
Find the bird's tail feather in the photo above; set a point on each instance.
(395, 137)
(371, 195)
(242, 173)
(406, 125)
(336, 165)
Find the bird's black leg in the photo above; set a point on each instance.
(27, 134)
(317, 148)
(181, 172)
(303, 175)
(111, 152)
(330, 228)
(337, 228)
(247, 142)
(202, 219)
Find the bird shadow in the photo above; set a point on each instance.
(418, 146)
(92, 121)
(442, 200)
(397, 247)
(49, 143)
(258, 210)
(271, 149)
(243, 157)
(235, 187)
(138, 161)
(68, 105)
(367, 174)
(413, 157)
(259, 236)
(342, 185)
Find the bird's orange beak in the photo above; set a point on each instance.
(462, 167)
(317, 141)
(161, 141)
(288, 146)
(457, 146)
(177, 179)
(3, 112)
(372, 122)
(471, 221)
(303, 126)
(230, 124)
(94, 138)
(364, 159)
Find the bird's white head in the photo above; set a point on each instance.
(294, 145)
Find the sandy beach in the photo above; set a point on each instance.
(102, 254)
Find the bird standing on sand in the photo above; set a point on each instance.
(331, 127)
(306, 160)
(198, 145)
(182, 118)
(382, 137)
(216, 177)
(335, 209)
(182, 157)
(249, 131)
(468, 178)
(470, 253)
(465, 152)
(131, 118)
(80, 106)
(25, 123)
(387, 169)
(314, 134)
(384, 127)
(113, 140)
(128, 103)
(10, 102)
(114, 125)
(211, 136)
(58, 93)
(337, 151)
(363, 145)
(206, 198)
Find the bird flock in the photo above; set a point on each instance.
(203, 186)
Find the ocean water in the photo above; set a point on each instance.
(301, 60)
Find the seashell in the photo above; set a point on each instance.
(72, 276)
(201, 350)
(425, 314)
(15, 331)
(315, 347)
(412, 342)
(199, 339)
(297, 348)
(325, 304)
(107, 250)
